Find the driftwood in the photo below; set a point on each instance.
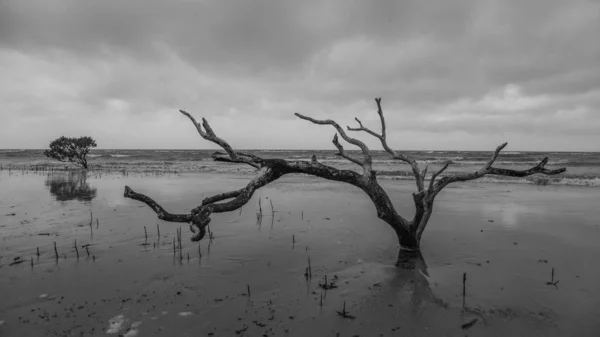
(408, 231)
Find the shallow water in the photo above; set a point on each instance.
(506, 238)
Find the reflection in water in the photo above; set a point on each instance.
(71, 185)
(410, 278)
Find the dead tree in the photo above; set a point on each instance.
(408, 231)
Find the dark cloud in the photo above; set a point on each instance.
(438, 64)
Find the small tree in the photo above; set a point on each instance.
(408, 230)
(72, 150)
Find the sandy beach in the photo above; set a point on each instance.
(249, 279)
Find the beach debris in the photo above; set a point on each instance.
(87, 250)
(17, 260)
(248, 289)
(38, 251)
(329, 285)
(344, 313)
(43, 296)
(158, 232)
(146, 234)
(542, 261)
(464, 293)
(326, 218)
(183, 314)
(490, 220)
(469, 323)
(55, 251)
(552, 282)
(180, 244)
(10, 214)
(76, 250)
(259, 324)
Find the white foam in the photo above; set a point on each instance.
(133, 331)
(184, 314)
(116, 323)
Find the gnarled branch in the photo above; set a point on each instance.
(419, 176)
(437, 173)
(489, 169)
(160, 211)
(342, 153)
(220, 197)
(366, 162)
(210, 135)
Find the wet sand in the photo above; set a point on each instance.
(506, 238)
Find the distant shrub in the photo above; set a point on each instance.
(74, 150)
(541, 181)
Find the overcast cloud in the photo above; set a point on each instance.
(452, 74)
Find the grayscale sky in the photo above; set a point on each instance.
(452, 74)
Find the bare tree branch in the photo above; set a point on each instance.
(488, 169)
(210, 135)
(160, 211)
(220, 197)
(343, 153)
(419, 177)
(433, 176)
(366, 163)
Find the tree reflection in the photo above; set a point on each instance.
(411, 279)
(71, 185)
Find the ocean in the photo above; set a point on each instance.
(583, 168)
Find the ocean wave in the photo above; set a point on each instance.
(511, 162)
(120, 155)
(94, 155)
(564, 181)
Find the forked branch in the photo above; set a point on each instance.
(489, 169)
(365, 163)
(419, 176)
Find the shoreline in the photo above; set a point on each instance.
(211, 167)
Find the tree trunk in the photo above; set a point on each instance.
(409, 241)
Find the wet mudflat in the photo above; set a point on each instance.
(251, 278)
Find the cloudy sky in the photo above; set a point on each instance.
(452, 74)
